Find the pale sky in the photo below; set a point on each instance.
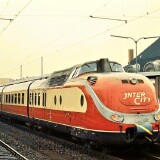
(62, 32)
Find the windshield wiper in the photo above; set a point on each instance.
(88, 65)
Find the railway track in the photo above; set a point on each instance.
(56, 147)
(37, 145)
(7, 152)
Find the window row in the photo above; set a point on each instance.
(37, 99)
(17, 98)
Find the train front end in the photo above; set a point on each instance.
(126, 102)
(130, 102)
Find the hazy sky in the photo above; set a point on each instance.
(62, 32)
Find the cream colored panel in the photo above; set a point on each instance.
(71, 99)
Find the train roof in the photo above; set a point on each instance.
(46, 76)
(38, 84)
(57, 78)
(17, 87)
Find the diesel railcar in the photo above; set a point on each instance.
(94, 101)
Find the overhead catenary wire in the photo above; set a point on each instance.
(15, 17)
(95, 35)
(112, 19)
(60, 36)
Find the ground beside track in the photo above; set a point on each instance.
(37, 146)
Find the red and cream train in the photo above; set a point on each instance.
(95, 101)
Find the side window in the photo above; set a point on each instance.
(22, 98)
(19, 98)
(9, 98)
(39, 98)
(6, 98)
(35, 98)
(15, 98)
(44, 99)
(12, 100)
(30, 98)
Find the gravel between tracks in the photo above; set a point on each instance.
(35, 147)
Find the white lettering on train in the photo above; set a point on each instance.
(134, 95)
(138, 97)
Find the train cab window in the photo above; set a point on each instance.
(15, 98)
(86, 68)
(39, 98)
(22, 98)
(19, 98)
(115, 67)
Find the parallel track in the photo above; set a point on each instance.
(6, 155)
(48, 145)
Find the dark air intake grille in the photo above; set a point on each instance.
(124, 81)
(140, 80)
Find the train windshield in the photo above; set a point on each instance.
(92, 67)
(115, 67)
(86, 68)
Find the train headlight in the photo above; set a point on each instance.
(157, 116)
(117, 118)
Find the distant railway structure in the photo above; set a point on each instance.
(5, 81)
(147, 61)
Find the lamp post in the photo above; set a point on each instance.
(135, 41)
